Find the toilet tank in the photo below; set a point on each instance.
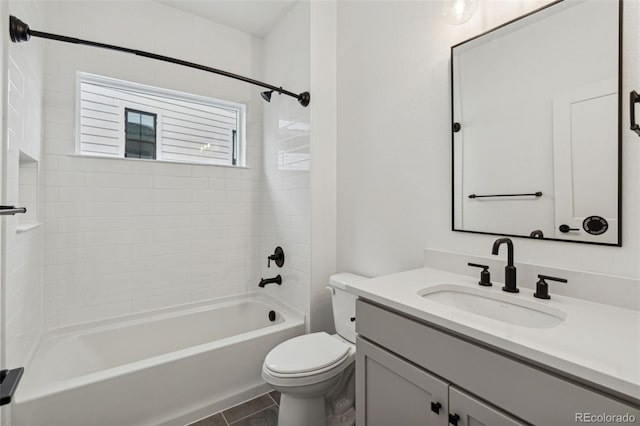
(344, 304)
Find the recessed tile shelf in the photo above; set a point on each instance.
(28, 179)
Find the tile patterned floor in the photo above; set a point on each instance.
(260, 411)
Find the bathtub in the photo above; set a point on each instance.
(170, 367)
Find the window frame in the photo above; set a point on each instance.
(239, 148)
(139, 141)
(122, 114)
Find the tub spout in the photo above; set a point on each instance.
(274, 280)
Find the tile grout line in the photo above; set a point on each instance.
(224, 418)
(251, 415)
(273, 399)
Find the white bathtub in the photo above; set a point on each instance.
(169, 368)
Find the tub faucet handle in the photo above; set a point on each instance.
(277, 256)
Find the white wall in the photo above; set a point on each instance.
(124, 236)
(324, 117)
(286, 212)
(387, 54)
(23, 264)
(394, 154)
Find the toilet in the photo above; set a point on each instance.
(315, 373)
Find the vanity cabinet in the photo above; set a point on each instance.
(404, 365)
(392, 391)
(396, 392)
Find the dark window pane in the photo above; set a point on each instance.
(133, 130)
(140, 128)
(147, 135)
(144, 150)
(148, 150)
(132, 150)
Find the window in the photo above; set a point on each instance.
(140, 134)
(128, 120)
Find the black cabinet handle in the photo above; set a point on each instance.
(567, 228)
(453, 419)
(435, 407)
(634, 98)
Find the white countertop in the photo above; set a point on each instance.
(597, 343)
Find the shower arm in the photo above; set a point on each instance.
(20, 31)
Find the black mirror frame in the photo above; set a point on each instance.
(455, 127)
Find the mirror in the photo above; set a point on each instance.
(536, 126)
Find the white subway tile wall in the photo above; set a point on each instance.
(24, 294)
(142, 238)
(125, 236)
(286, 205)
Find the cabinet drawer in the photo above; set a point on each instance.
(527, 392)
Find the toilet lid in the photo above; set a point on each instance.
(306, 353)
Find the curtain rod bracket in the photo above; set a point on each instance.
(304, 98)
(20, 31)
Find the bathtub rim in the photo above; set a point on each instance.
(291, 319)
(171, 311)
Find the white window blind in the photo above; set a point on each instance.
(190, 128)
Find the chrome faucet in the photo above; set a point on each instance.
(510, 284)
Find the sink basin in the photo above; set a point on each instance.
(501, 307)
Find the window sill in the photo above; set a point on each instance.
(27, 227)
(186, 163)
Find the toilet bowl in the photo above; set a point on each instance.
(314, 373)
(304, 370)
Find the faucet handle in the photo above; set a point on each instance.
(277, 257)
(485, 276)
(542, 288)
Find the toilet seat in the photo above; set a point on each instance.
(306, 355)
(331, 356)
(309, 373)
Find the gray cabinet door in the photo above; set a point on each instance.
(473, 412)
(391, 391)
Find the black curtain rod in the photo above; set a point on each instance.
(20, 31)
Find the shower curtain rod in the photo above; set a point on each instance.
(20, 31)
